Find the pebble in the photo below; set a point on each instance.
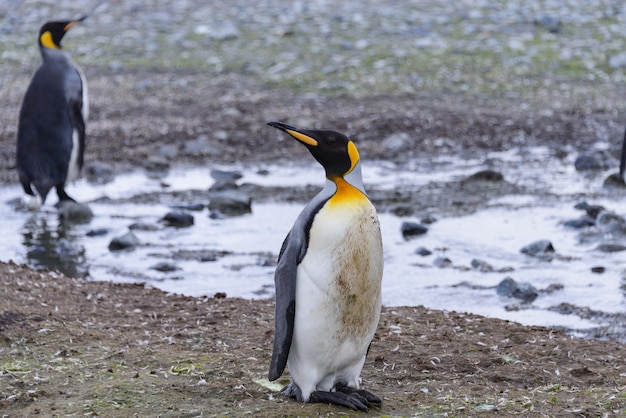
(178, 219)
(127, 241)
(423, 251)
(74, 212)
(165, 267)
(508, 287)
(538, 248)
(412, 229)
(98, 172)
(230, 203)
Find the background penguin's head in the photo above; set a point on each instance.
(333, 150)
(51, 33)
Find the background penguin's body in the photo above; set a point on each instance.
(51, 130)
(328, 282)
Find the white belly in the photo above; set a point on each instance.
(338, 298)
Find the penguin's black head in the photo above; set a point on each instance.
(51, 33)
(333, 150)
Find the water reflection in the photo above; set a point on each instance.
(52, 244)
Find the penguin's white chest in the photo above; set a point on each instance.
(344, 262)
(338, 297)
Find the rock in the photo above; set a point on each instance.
(178, 219)
(74, 212)
(429, 219)
(550, 23)
(412, 229)
(423, 251)
(442, 262)
(127, 241)
(611, 224)
(510, 288)
(614, 180)
(598, 269)
(142, 226)
(98, 172)
(165, 267)
(610, 248)
(226, 175)
(591, 210)
(481, 265)
(592, 160)
(230, 203)
(223, 185)
(486, 175)
(97, 232)
(582, 222)
(193, 207)
(538, 248)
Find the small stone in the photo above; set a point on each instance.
(510, 288)
(97, 232)
(614, 180)
(442, 262)
(193, 207)
(127, 241)
(592, 160)
(598, 269)
(481, 265)
(538, 247)
(582, 222)
(178, 219)
(142, 226)
(230, 203)
(165, 267)
(226, 175)
(412, 229)
(74, 212)
(423, 251)
(610, 248)
(486, 175)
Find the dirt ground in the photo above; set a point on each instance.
(70, 347)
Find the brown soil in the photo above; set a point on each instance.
(73, 347)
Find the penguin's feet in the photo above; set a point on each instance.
(369, 396)
(344, 395)
(352, 401)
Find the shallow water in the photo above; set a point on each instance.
(245, 247)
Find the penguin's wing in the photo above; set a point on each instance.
(291, 254)
(285, 283)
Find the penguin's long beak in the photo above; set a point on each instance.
(73, 22)
(298, 134)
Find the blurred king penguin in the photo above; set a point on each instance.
(328, 282)
(51, 130)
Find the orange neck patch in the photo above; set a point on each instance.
(346, 193)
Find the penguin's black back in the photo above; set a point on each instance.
(44, 142)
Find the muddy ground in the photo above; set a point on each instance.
(70, 347)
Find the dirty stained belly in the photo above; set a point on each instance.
(343, 269)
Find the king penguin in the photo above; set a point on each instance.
(328, 281)
(51, 128)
